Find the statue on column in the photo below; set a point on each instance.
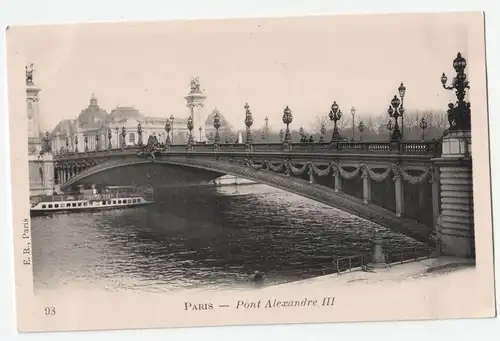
(195, 85)
(29, 74)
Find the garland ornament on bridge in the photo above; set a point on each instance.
(248, 124)
(338, 169)
(335, 115)
(458, 113)
(287, 119)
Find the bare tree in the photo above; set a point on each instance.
(319, 122)
(430, 117)
(441, 120)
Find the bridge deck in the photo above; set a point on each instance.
(298, 186)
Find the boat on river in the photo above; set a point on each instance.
(111, 197)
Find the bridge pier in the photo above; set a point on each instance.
(457, 204)
(337, 180)
(367, 189)
(398, 184)
(312, 180)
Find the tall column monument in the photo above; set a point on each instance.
(195, 102)
(34, 134)
(40, 161)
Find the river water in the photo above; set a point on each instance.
(199, 238)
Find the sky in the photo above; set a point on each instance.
(304, 63)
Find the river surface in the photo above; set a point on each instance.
(199, 238)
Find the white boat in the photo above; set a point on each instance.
(112, 197)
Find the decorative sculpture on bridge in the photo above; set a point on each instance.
(151, 148)
(458, 113)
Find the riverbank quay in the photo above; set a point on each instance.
(432, 288)
(396, 272)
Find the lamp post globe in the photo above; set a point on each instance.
(402, 90)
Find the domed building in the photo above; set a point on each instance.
(92, 116)
(93, 127)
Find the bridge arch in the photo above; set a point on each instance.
(215, 168)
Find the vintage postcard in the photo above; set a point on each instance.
(250, 171)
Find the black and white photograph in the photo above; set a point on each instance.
(312, 163)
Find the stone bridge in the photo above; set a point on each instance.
(370, 180)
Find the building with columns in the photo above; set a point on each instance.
(95, 128)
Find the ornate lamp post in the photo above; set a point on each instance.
(167, 129)
(67, 143)
(335, 115)
(458, 113)
(282, 134)
(402, 91)
(216, 126)
(248, 124)
(139, 134)
(390, 127)
(117, 138)
(124, 133)
(172, 121)
(267, 127)
(423, 125)
(361, 128)
(86, 141)
(200, 132)
(353, 112)
(190, 128)
(76, 143)
(110, 135)
(287, 119)
(97, 141)
(395, 112)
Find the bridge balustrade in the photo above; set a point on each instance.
(431, 148)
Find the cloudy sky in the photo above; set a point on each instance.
(305, 63)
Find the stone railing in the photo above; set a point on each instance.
(430, 148)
